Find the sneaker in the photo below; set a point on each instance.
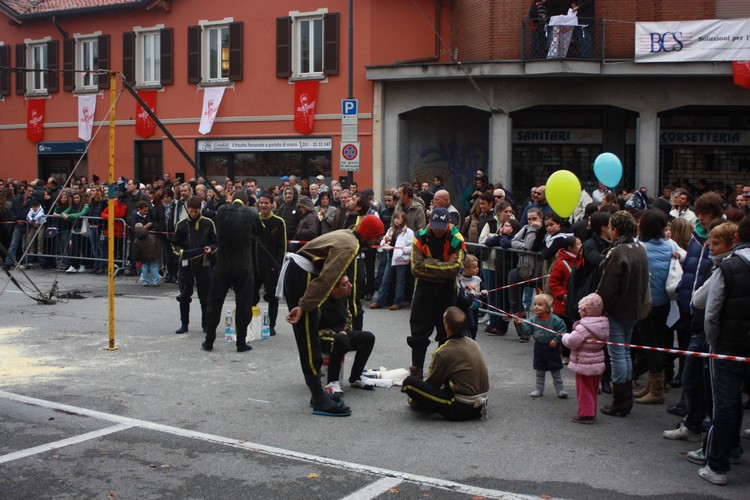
(697, 457)
(82, 269)
(536, 393)
(71, 270)
(563, 394)
(712, 477)
(683, 434)
(566, 360)
(334, 388)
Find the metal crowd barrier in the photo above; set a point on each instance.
(508, 274)
(57, 245)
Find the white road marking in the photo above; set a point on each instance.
(62, 443)
(258, 400)
(374, 490)
(271, 450)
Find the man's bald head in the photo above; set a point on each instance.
(442, 198)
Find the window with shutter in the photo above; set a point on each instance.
(307, 45)
(4, 75)
(128, 57)
(21, 75)
(53, 63)
(166, 50)
(215, 52)
(283, 47)
(69, 61)
(103, 60)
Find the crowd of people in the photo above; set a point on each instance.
(625, 267)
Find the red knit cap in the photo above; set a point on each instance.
(370, 227)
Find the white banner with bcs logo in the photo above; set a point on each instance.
(693, 41)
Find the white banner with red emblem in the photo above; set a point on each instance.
(211, 102)
(86, 110)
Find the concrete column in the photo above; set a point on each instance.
(501, 151)
(647, 152)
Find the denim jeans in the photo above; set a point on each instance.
(727, 378)
(696, 384)
(16, 240)
(622, 365)
(97, 252)
(399, 274)
(150, 267)
(489, 281)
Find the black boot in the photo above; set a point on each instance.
(184, 317)
(620, 405)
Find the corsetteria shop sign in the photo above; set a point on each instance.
(693, 41)
(291, 144)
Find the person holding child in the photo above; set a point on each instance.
(546, 329)
(146, 250)
(586, 355)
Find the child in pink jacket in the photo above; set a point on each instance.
(587, 358)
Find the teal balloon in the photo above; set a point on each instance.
(608, 169)
(563, 192)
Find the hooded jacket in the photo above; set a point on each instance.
(587, 358)
(145, 246)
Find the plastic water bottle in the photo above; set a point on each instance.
(265, 329)
(229, 327)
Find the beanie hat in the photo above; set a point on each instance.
(370, 227)
(592, 304)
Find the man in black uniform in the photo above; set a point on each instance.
(308, 277)
(273, 239)
(237, 225)
(193, 242)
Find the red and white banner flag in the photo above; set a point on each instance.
(305, 98)
(144, 125)
(741, 70)
(86, 110)
(35, 120)
(211, 102)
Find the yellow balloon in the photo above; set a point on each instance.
(563, 192)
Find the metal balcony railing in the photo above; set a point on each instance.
(542, 41)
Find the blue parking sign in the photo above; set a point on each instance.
(349, 107)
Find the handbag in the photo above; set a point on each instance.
(674, 276)
(51, 232)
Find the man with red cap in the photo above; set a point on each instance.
(307, 278)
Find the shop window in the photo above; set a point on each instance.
(147, 57)
(83, 57)
(307, 45)
(215, 53)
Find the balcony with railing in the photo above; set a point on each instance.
(589, 40)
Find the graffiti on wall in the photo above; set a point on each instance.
(455, 162)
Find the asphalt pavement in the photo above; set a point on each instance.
(160, 418)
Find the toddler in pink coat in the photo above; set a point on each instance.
(587, 358)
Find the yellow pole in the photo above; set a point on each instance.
(111, 210)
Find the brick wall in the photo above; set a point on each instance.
(484, 30)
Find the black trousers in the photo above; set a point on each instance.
(431, 399)
(306, 329)
(430, 302)
(241, 279)
(190, 277)
(341, 343)
(268, 280)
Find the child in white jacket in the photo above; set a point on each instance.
(399, 240)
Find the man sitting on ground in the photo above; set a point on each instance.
(457, 384)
